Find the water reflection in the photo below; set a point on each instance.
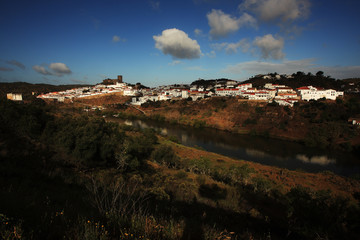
(256, 153)
(273, 152)
(321, 160)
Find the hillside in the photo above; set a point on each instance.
(294, 81)
(298, 80)
(27, 88)
(315, 123)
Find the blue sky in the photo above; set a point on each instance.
(165, 42)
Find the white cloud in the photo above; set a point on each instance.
(270, 47)
(230, 48)
(222, 24)
(341, 72)
(41, 70)
(178, 44)
(233, 47)
(58, 69)
(247, 20)
(289, 67)
(277, 10)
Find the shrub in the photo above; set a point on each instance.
(201, 179)
(174, 139)
(262, 185)
(165, 155)
(181, 174)
(199, 123)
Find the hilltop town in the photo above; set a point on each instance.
(269, 92)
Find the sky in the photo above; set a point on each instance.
(166, 42)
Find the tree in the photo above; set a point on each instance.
(320, 74)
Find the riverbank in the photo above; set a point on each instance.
(320, 124)
(287, 179)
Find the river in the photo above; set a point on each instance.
(268, 151)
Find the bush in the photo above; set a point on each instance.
(181, 175)
(165, 155)
(199, 123)
(174, 139)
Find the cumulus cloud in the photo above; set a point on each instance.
(41, 70)
(230, 48)
(178, 44)
(16, 63)
(270, 47)
(57, 69)
(277, 10)
(223, 24)
(5, 69)
(289, 67)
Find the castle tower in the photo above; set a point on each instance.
(119, 78)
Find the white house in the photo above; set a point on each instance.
(286, 102)
(228, 92)
(14, 96)
(273, 86)
(257, 95)
(244, 86)
(129, 92)
(184, 94)
(312, 93)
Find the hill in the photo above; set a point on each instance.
(27, 88)
(298, 79)
(295, 80)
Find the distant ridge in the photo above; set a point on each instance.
(28, 88)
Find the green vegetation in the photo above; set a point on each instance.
(68, 176)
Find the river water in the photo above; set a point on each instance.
(273, 152)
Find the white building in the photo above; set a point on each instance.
(14, 96)
(244, 86)
(257, 95)
(184, 94)
(312, 93)
(129, 92)
(228, 92)
(273, 86)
